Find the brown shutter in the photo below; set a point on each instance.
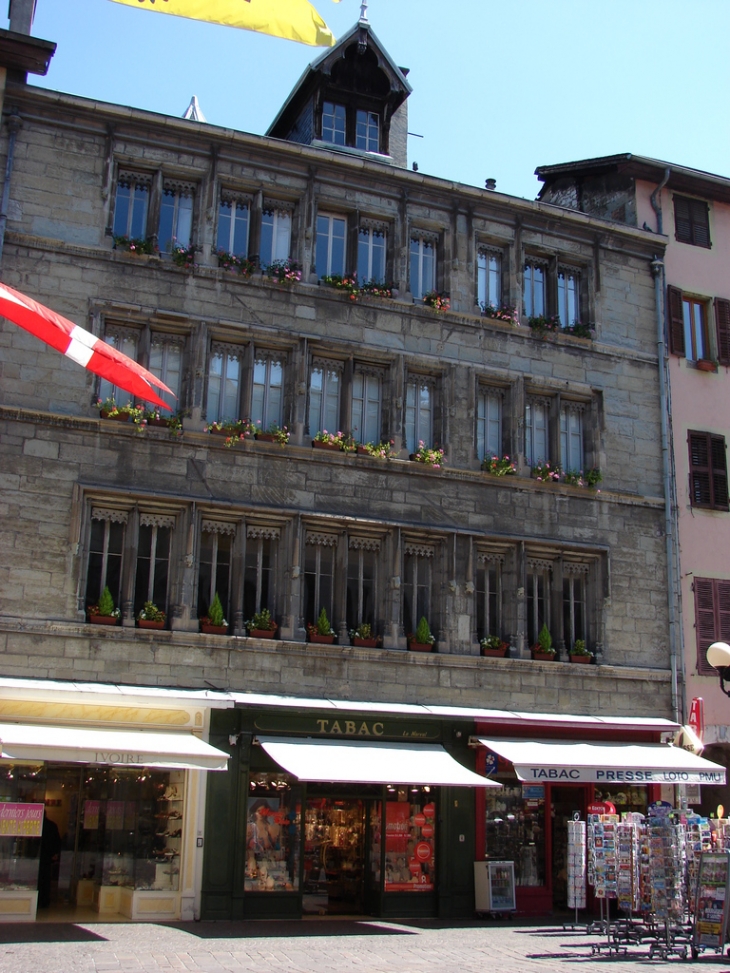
(676, 320)
(719, 472)
(700, 223)
(722, 322)
(699, 470)
(682, 220)
(705, 621)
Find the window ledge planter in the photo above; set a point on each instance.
(539, 656)
(104, 619)
(332, 447)
(322, 639)
(115, 417)
(705, 365)
(365, 643)
(499, 653)
(420, 646)
(148, 623)
(581, 659)
(207, 628)
(266, 437)
(262, 633)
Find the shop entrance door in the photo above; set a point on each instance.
(564, 802)
(334, 856)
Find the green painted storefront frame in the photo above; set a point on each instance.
(223, 895)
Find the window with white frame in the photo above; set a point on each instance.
(419, 412)
(489, 278)
(267, 393)
(131, 205)
(489, 423)
(489, 594)
(568, 296)
(259, 569)
(362, 562)
(334, 123)
(575, 579)
(233, 224)
(537, 440)
(126, 341)
(367, 131)
(275, 234)
(106, 550)
(166, 363)
(224, 382)
(319, 575)
(538, 597)
(571, 436)
(371, 253)
(214, 565)
(330, 246)
(534, 295)
(324, 395)
(153, 560)
(423, 264)
(417, 579)
(176, 215)
(367, 388)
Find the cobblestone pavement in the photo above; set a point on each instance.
(319, 946)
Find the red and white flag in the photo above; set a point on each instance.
(80, 346)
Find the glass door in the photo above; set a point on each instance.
(334, 856)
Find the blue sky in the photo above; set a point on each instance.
(500, 86)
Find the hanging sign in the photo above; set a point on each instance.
(697, 716)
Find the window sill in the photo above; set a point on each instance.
(351, 150)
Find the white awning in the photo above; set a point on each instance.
(127, 748)
(605, 763)
(346, 761)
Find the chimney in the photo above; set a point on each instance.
(21, 14)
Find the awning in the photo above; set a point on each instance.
(346, 761)
(605, 763)
(127, 748)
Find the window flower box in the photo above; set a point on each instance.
(495, 653)
(263, 633)
(706, 365)
(414, 646)
(103, 619)
(361, 643)
(540, 656)
(332, 447)
(322, 639)
(208, 628)
(148, 623)
(582, 658)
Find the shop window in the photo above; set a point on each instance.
(259, 569)
(214, 565)
(367, 131)
(691, 221)
(124, 340)
(537, 439)
(106, 547)
(419, 412)
(423, 265)
(324, 396)
(224, 382)
(166, 362)
(489, 279)
(131, 205)
(362, 562)
(534, 291)
(153, 560)
(319, 576)
(707, 471)
(417, 580)
(489, 423)
(233, 224)
(712, 618)
(273, 833)
(568, 297)
(571, 436)
(515, 828)
(410, 839)
(489, 595)
(371, 254)
(20, 839)
(334, 123)
(330, 248)
(538, 597)
(367, 389)
(275, 235)
(575, 626)
(268, 390)
(176, 216)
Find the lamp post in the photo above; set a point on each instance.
(718, 655)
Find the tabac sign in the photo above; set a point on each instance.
(357, 727)
(618, 775)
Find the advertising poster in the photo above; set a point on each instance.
(711, 902)
(21, 820)
(115, 815)
(91, 815)
(409, 847)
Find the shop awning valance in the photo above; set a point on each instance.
(605, 763)
(126, 748)
(345, 761)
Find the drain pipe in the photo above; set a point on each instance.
(657, 272)
(15, 123)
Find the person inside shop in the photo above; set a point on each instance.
(50, 853)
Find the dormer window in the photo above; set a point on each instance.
(367, 131)
(333, 123)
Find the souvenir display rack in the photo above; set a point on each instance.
(576, 866)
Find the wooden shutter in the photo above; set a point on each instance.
(676, 320)
(722, 323)
(719, 472)
(682, 220)
(699, 469)
(700, 223)
(704, 621)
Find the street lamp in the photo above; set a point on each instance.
(718, 655)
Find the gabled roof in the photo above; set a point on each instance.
(363, 33)
(641, 167)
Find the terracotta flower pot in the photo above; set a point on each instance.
(332, 447)
(148, 623)
(262, 633)
(266, 437)
(207, 628)
(361, 451)
(322, 639)
(157, 422)
(499, 653)
(103, 619)
(118, 417)
(704, 365)
(420, 646)
(582, 659)
(365, 643)
(540, 656)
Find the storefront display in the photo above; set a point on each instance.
(410, 840)
(334, 855)
(515, 829)
(273, 837)
(22, 790)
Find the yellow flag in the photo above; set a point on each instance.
(296, 20)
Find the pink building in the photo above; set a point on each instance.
(689, 211)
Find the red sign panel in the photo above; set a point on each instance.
(21, 820)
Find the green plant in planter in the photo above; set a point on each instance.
(151, 613)
(215, 612)
(423, 633)
(545, 641)
(323, 624)
(363, 631)
(579, 648)
(491, 642)
(105, 606)
(262, 621)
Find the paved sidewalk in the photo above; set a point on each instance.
(318, 946)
